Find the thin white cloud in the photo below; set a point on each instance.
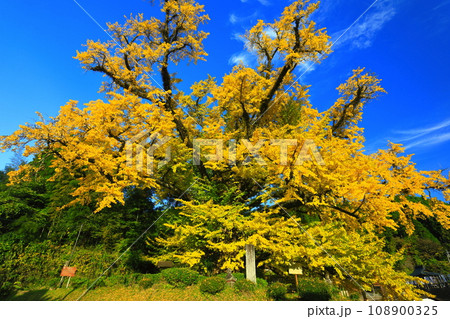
(239, 37)
(263, 2)
(243, 58)
(425, 136)
(270, 32)
(306, 67)
(248, 57)
(415, 133)
(444, 3)
(233, 18)
(236, 19)
(428, 141)
(361, 34)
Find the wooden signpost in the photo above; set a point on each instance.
(68, 272)
(296, 271)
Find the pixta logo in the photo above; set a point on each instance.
(140, 151)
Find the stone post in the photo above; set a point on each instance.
(250, 263)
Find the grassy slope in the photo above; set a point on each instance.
(158, 292)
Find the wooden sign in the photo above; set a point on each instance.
(165, 264)
(68, 271)
(296, 271)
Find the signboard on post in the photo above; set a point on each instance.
(68, 271)
(296, 270)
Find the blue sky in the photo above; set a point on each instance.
(405, 43)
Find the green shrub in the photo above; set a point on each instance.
(134, 279)
(122, 280)
(115, 280)
(314, 289)
(146, 283)
(244, 285)
(277, 291)
(149, 280)
(79, 282)
(239, 276)
(354, 296)
(99, 283)
(6, 289)
(35, 264)
(261, 282)
(212, 285)
(180, 277)
(54, 282)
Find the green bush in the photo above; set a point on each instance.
(212, 285)
(123, 280)
(6, 289)
(277, 291)
(244, 285)
(79, 282)
(180, 277)
(261, 282)
(134, 279)
(314, 289)
(129, 280)
(149, 280)
(54, 282)
(115, 280)
(239, 276)
(354, 296)
(36, 264)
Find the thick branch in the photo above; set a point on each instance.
(353, 103)
(289, 66)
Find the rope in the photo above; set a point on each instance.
(67, 263)
(75, 245)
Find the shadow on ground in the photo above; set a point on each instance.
(33, 295)
(41, 295)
